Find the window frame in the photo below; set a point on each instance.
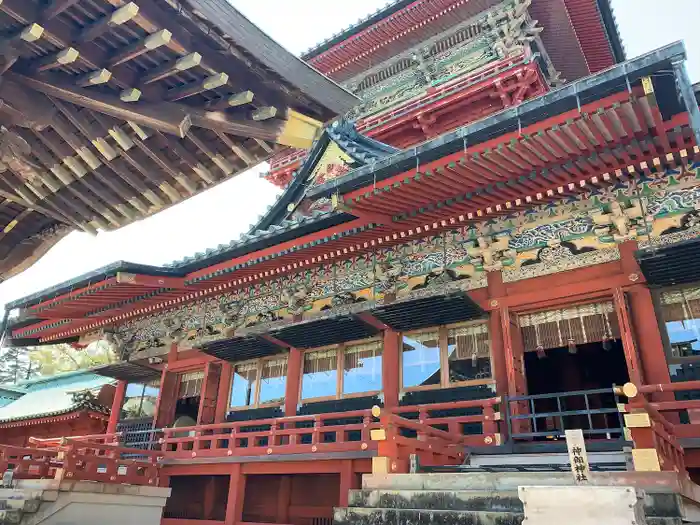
(443, 336)
(340, 366)
(258, 383)
(658, 310)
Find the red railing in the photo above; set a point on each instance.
(104, 439)
(654, 425)
(322, 432)
(488, 418)
(81, 460)
(399, 438)
(659, 435)
(288, 435)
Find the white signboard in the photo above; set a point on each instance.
(578, 457)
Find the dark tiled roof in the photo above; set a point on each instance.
(362, 149)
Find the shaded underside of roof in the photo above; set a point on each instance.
(113, 111)
(671, 265)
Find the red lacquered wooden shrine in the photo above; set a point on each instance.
(494, 246)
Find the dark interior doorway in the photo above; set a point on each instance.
(591, 367)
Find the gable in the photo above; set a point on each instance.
(339, 150)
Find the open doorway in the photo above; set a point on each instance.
(188, 399)
(581, 368)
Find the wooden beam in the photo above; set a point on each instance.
(150, 281)
(218, 159)
(194, 88)
(167, 166)
(231, 101)
(94, 78)
(164, 117)
(54, 60)
(264, 113)
(188, 158)
(118, 17)
(152, 41)
(240, 151)
(172, 67)
(55, 8)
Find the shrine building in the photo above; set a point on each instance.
(493, 243)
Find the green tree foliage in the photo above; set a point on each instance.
(15, 365)
(53, 359)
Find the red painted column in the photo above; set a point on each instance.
(497, 290)
(391, 363)
(284, 499)
(117, 403)
(167, 395)
(628, 343)
(293, 386)
(210, 389)
(347, 482)
(223, 396)
(649, 342)
(654, 368)
(236, 496)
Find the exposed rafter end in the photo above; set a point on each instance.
(118, 17)
(173, 67)
(130, 95)
(212, 82)
(264, 113)
(61, 58)
(94, 78)
(152, 41)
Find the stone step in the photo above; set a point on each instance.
(594, 458)
(665, 521)
(470, 500)
(25, 505)
(11, 516)
(379, 516)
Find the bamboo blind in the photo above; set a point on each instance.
(680, 305)
(353, 355)
(274, 368)
(583, 324)
(320, 361)
(190, 384)
(469, 341)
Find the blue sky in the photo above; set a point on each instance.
(223, 213)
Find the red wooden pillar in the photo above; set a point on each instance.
(224, 393)
(284, 499)
(654, 369)
(236, 496)
(627, 336)
(496, 290)
(210, 389)
(291, 392)
(391, 363)
(167, 395)
(348, 481)
(117, 403)
(649, 341)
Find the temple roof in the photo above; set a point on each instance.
(581, 35)
(420, 181)
(112, 111)
(53, 396)
(354, 150)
